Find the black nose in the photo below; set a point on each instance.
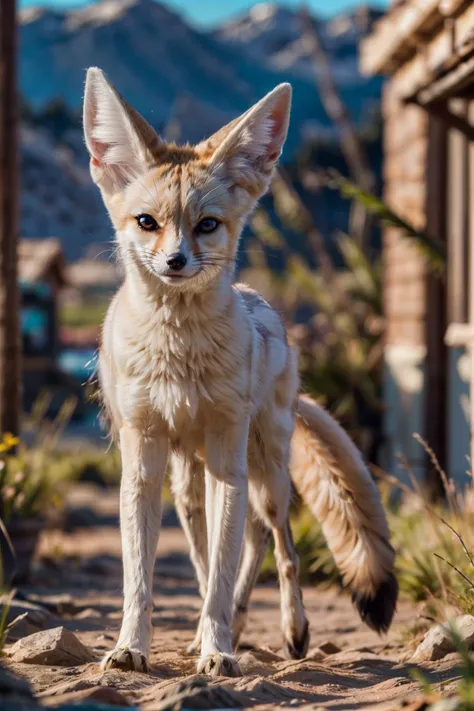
(176, 261)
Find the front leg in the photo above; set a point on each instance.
(143, 470)
(187, 483)
(226, 509)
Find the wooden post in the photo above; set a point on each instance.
(10, 344)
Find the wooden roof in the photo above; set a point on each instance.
(90, 273)
(41, 260)
(428, 44)
(409, 27)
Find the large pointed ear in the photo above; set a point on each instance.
(120, 142)
(250, 146)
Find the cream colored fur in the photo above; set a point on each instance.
(331, 477)
(197, 370)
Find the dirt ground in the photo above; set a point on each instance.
(79, 579)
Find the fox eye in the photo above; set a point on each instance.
(207, 225)
(147, 223)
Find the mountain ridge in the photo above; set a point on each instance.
(185, 81)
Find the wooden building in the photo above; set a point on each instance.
(426, 49)
(42, 274)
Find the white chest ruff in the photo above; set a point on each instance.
(179, 372)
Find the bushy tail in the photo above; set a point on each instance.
(328, 472)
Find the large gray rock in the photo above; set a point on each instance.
(56, 647)
(438, 642)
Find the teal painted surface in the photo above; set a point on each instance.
(458, 404)
(404, 398)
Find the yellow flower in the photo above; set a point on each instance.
(9, 441)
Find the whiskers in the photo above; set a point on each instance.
(138, 257)
(150, 263)
(211, 262)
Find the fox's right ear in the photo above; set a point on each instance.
(120, 142)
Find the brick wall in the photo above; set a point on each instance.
(405, 146)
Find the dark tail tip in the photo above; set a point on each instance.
(377, 611)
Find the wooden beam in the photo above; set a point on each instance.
(448, 85)
(391, 42)
(418, 66)
(451, 119)
(435, 320)
(10, 345)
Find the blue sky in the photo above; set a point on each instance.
(208, 12)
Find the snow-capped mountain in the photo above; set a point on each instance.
(155, 58)
(186, 82)
(274, 35)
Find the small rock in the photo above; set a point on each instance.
(437, 642)
(63, 604)
(57, 647)
(316, 655)
(22, 626)
(87, 614)
(250, 663)
(329, 647)
(39, 615)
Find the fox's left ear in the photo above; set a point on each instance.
(250, 146)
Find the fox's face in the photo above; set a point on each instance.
(179, 211)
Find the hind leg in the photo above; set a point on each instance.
(256, 539)
(270, 494)
(294, 624)
(271, 500)
(187, 483)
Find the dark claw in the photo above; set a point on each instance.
(297, 648)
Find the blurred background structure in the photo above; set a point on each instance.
(427, 50)
(363, 243)
(10, 352)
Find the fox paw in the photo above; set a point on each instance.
(219, 665)
(125, 659)
(194, 648)
(297, 646)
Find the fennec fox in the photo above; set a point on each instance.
(196, 370)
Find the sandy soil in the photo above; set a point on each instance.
(79, 577)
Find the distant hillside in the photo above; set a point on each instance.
(186, 82)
